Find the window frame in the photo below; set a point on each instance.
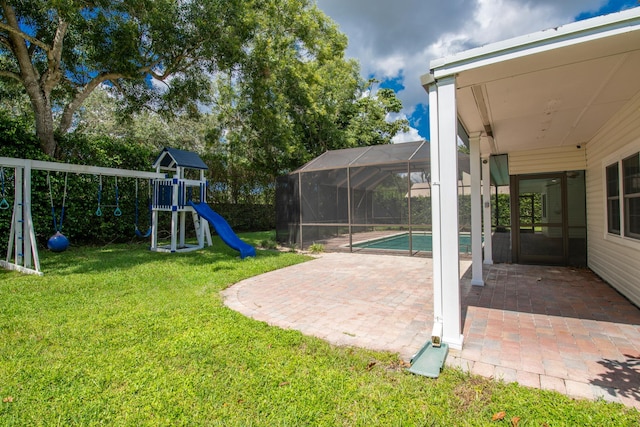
(623, 236)
(627, 197)
(612, 199)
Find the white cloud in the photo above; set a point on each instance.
(400, 38)
(391, 66)
(410, 136)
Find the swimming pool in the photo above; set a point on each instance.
(420, 242)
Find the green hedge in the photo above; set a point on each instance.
(247, 217)
(81, 225)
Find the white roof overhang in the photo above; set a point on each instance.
(553, 88)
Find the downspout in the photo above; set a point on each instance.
(429, 84)
(349, 217)
(409, 208)
(300, 204)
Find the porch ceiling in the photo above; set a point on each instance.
(549, 97)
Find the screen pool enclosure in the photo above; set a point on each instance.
(346, 197)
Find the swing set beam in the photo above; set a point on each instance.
(22, 250)
(78, 169)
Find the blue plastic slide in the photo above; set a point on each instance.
(224, 230)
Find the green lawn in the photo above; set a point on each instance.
(120, 335)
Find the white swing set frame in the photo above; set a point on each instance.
(22, 250)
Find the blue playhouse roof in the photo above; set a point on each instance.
(171, 158)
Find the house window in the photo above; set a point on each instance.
(623, 180)
(613, 199)
(631, 176)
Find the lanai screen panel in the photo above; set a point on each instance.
(324, 197)
(392, 154)
(346, 194)
(287, 209)
(379, 195)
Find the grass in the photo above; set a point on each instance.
(120, 335)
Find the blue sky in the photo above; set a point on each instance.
(395, 41)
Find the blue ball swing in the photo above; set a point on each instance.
(58, 242)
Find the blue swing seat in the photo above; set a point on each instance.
(141, 234)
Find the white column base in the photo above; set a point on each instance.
(476, 282)
(454, 342)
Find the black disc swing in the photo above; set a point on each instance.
(3, 203)
(58, 242)
(138, 232)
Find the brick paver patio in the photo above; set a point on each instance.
(547, 327)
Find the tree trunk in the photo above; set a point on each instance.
(44, 126)
(30, 77)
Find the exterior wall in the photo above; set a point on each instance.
(547, 160)
(614, 259)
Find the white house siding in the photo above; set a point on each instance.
(617, 262)
(556, 159)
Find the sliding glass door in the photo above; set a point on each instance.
(549, 219)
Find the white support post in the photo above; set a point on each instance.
(183, 228)
(18, 218)
(154, 214)
(174, 213)
(30, 247)
(486, 204)
(203, 194)
(204, 225)
(444, 210)
(476, 212)
(154, 229)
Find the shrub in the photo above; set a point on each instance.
(316, 248)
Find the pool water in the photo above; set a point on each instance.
(420, 242)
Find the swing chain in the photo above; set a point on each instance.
(136, 206)
(117, 211)
(3, 203)
(99, 210)
(64, 199)
(137, 214)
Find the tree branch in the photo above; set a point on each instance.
(10, 74)
(170, 69)
(28, 73)
(149, 69)
(56, 51)
(117, 85)
(16, 31)
(80, 96)
(54, 58)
